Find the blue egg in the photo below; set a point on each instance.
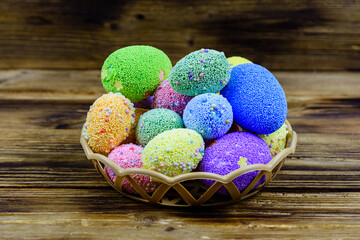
(257, 98)
(208, 114)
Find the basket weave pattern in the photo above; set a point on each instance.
(185, 190)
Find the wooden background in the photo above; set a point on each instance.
(281, 35)
(50, 55)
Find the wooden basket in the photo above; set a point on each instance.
(186, 190)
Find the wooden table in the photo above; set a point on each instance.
(48, 190)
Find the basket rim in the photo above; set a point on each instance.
(225, 179)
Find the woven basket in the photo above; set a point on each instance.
(185, 190)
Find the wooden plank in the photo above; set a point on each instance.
(48, 190)
(320, 164)
(83, 212)
(151, 226)
(284, 35)
(85, 85)
(317, 116)
(312, 98)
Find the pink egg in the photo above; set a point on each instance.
(129, 156)
(166, 97)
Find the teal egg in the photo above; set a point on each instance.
(203, 71)
(155, 122)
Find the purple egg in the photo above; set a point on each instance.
(234, 151)
(146, 103)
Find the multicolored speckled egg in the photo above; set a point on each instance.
(108, 122)
(129, 156)
(276, 140)
(257, 98)
(155, 122)
(166, 97)
(209, 114)
(231, 152)
(174, 152)
(234, 61)
(135, 71)
(203, 71)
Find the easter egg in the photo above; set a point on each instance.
(156, 121)
(145, 104)
(166, 97)
(258, 100)
(234, 61)
(108, 122)
(231, 152)
(132, 133)
(129, 156)
(208, 114)
(203, 71)
(276, 140)
(135, 71)
(174, 152)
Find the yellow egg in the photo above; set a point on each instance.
(234, 61)
(174, 152)
(276, 140)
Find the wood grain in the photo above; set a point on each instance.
(281, 35)
(48, 190)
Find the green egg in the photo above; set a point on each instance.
(135, 71)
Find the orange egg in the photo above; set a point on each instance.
(132, 138)
(108, 122)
